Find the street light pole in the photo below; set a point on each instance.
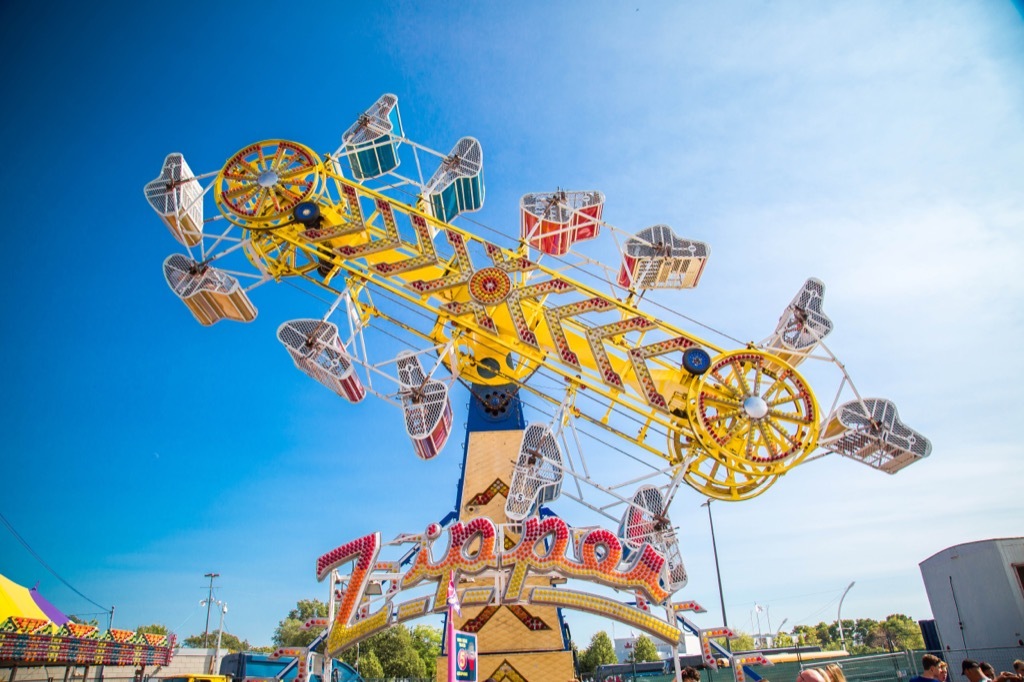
(209, 603)
(220, 634)
(718, 572)
(778, 632)
(839, 616)
(760, 635)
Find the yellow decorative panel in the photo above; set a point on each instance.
(489, 459)
(549, 666)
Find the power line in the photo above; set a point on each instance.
(45, 565)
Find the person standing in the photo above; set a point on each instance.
(972, 671)
(931, 664)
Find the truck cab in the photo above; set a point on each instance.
(253, 667)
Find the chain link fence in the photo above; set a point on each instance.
(898, 666)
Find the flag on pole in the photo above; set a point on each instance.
(453, 595)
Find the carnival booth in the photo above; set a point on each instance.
(34, 633)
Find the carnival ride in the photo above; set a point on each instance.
(535, 317)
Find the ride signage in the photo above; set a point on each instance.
(544, 546)
(465, 656)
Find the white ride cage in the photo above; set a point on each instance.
(552, 222)
(371, 143)
(802, 326)
(655, 258)
(212, 295)
(425, 403)
(537, 476)
(870, 431)
(645, 521)
(317, 350)
(457, 185)
(177, 197)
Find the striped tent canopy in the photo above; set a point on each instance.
(33, 632)
(17, 601)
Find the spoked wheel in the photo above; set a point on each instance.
(280, 257)
(261, 185)
(753, 412)
(712, 478)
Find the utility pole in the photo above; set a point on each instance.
(220, 633)
(721, 595)
(209, 603)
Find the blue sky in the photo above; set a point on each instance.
(876, 145)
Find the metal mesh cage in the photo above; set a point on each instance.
(552, 222)
(186, 277)
(410, 371)
(803, 323)
(645, 523)
(373, 123)
(371, 143)
(317, 350)
(177, 197)
(655, 258)
(640, 523)
(675, 567)
(458, 184)
(559, 206)
(210, 294)
(427, 410)
(537, 475)
(465, 160)
(870, 431)
(424, 408)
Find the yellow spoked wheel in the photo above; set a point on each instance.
(279, 257)
(752, 412)
(712, 478)
(261, 185)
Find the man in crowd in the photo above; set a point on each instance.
(972, 671)
(931, 665)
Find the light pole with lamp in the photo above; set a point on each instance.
(839, 616)
(760, 635)
(778, 632)
(214, 662)
(718, 573)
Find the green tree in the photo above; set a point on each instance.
(265, 649)
(644, 650)
(289, 631)
(898, 632)
(783, 639)
(600, 652)
(805, 636)
(154, 629)
(426, 640)
(741, 641)
(227, 641)
(394, 650)
(861, 636)
(81, 621)
(369, 667)
(824, 633)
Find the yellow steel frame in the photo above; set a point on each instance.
(512, 308)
